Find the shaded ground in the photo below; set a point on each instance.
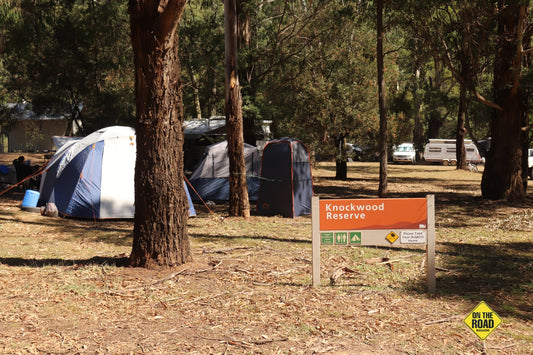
(64, 287)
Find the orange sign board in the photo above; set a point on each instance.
(400, 213)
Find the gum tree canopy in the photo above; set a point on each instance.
(160, 231)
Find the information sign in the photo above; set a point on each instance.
(377, 222)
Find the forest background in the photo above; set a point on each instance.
(309, 67)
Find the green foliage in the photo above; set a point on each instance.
(307, 66)
(201, 34)
(325, 83)
(63, 54)
(443, 32)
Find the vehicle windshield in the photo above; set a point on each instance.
(404, 149)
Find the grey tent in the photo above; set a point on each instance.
(286, 186)
(210, 180)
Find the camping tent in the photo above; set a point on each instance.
(94, 177)
(286, 185)
(210, 179)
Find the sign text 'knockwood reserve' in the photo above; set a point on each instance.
(373, 214)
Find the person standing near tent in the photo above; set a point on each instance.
(19, 168)
(23, 170)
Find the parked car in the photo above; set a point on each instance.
(404, 153)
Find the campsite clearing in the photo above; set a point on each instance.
(64, 287)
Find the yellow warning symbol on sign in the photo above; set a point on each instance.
(482, 320)
(392, 237)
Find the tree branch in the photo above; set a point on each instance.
(484, 101)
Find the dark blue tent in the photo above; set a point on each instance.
(286, 186)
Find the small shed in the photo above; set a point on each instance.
(286, 186)
(30, 131)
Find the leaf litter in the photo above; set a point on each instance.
(249, 291)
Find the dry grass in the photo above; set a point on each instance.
(64, 287)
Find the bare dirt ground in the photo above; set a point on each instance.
(65, 287)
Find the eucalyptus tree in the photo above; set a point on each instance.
(473, 38)
(458, 34)
(160, 236)
(272, 35)
(9, 15)
(383, 129)
(326, 89)
(299, 63)
(239, 204)
(424, 96)
(502, 177)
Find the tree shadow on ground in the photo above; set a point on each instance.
(500, 274)
(111, 232)
(343, 189)
(212, 238)
(119, 261)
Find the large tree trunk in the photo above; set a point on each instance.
(160, 235)
(502, 175)
(239, 204)
(383, 132)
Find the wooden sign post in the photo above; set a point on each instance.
(376, 222)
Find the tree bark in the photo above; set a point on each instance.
(246, 71)
(526, 117)
(460, 152)
(195, 85)
(435, 118)
(160, 236)
(466, 75)
(502, 176)
(383, 131)
(239, 204)
(418, 129)
(341, 165)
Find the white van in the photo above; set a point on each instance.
(444, 151)
(404, 153)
